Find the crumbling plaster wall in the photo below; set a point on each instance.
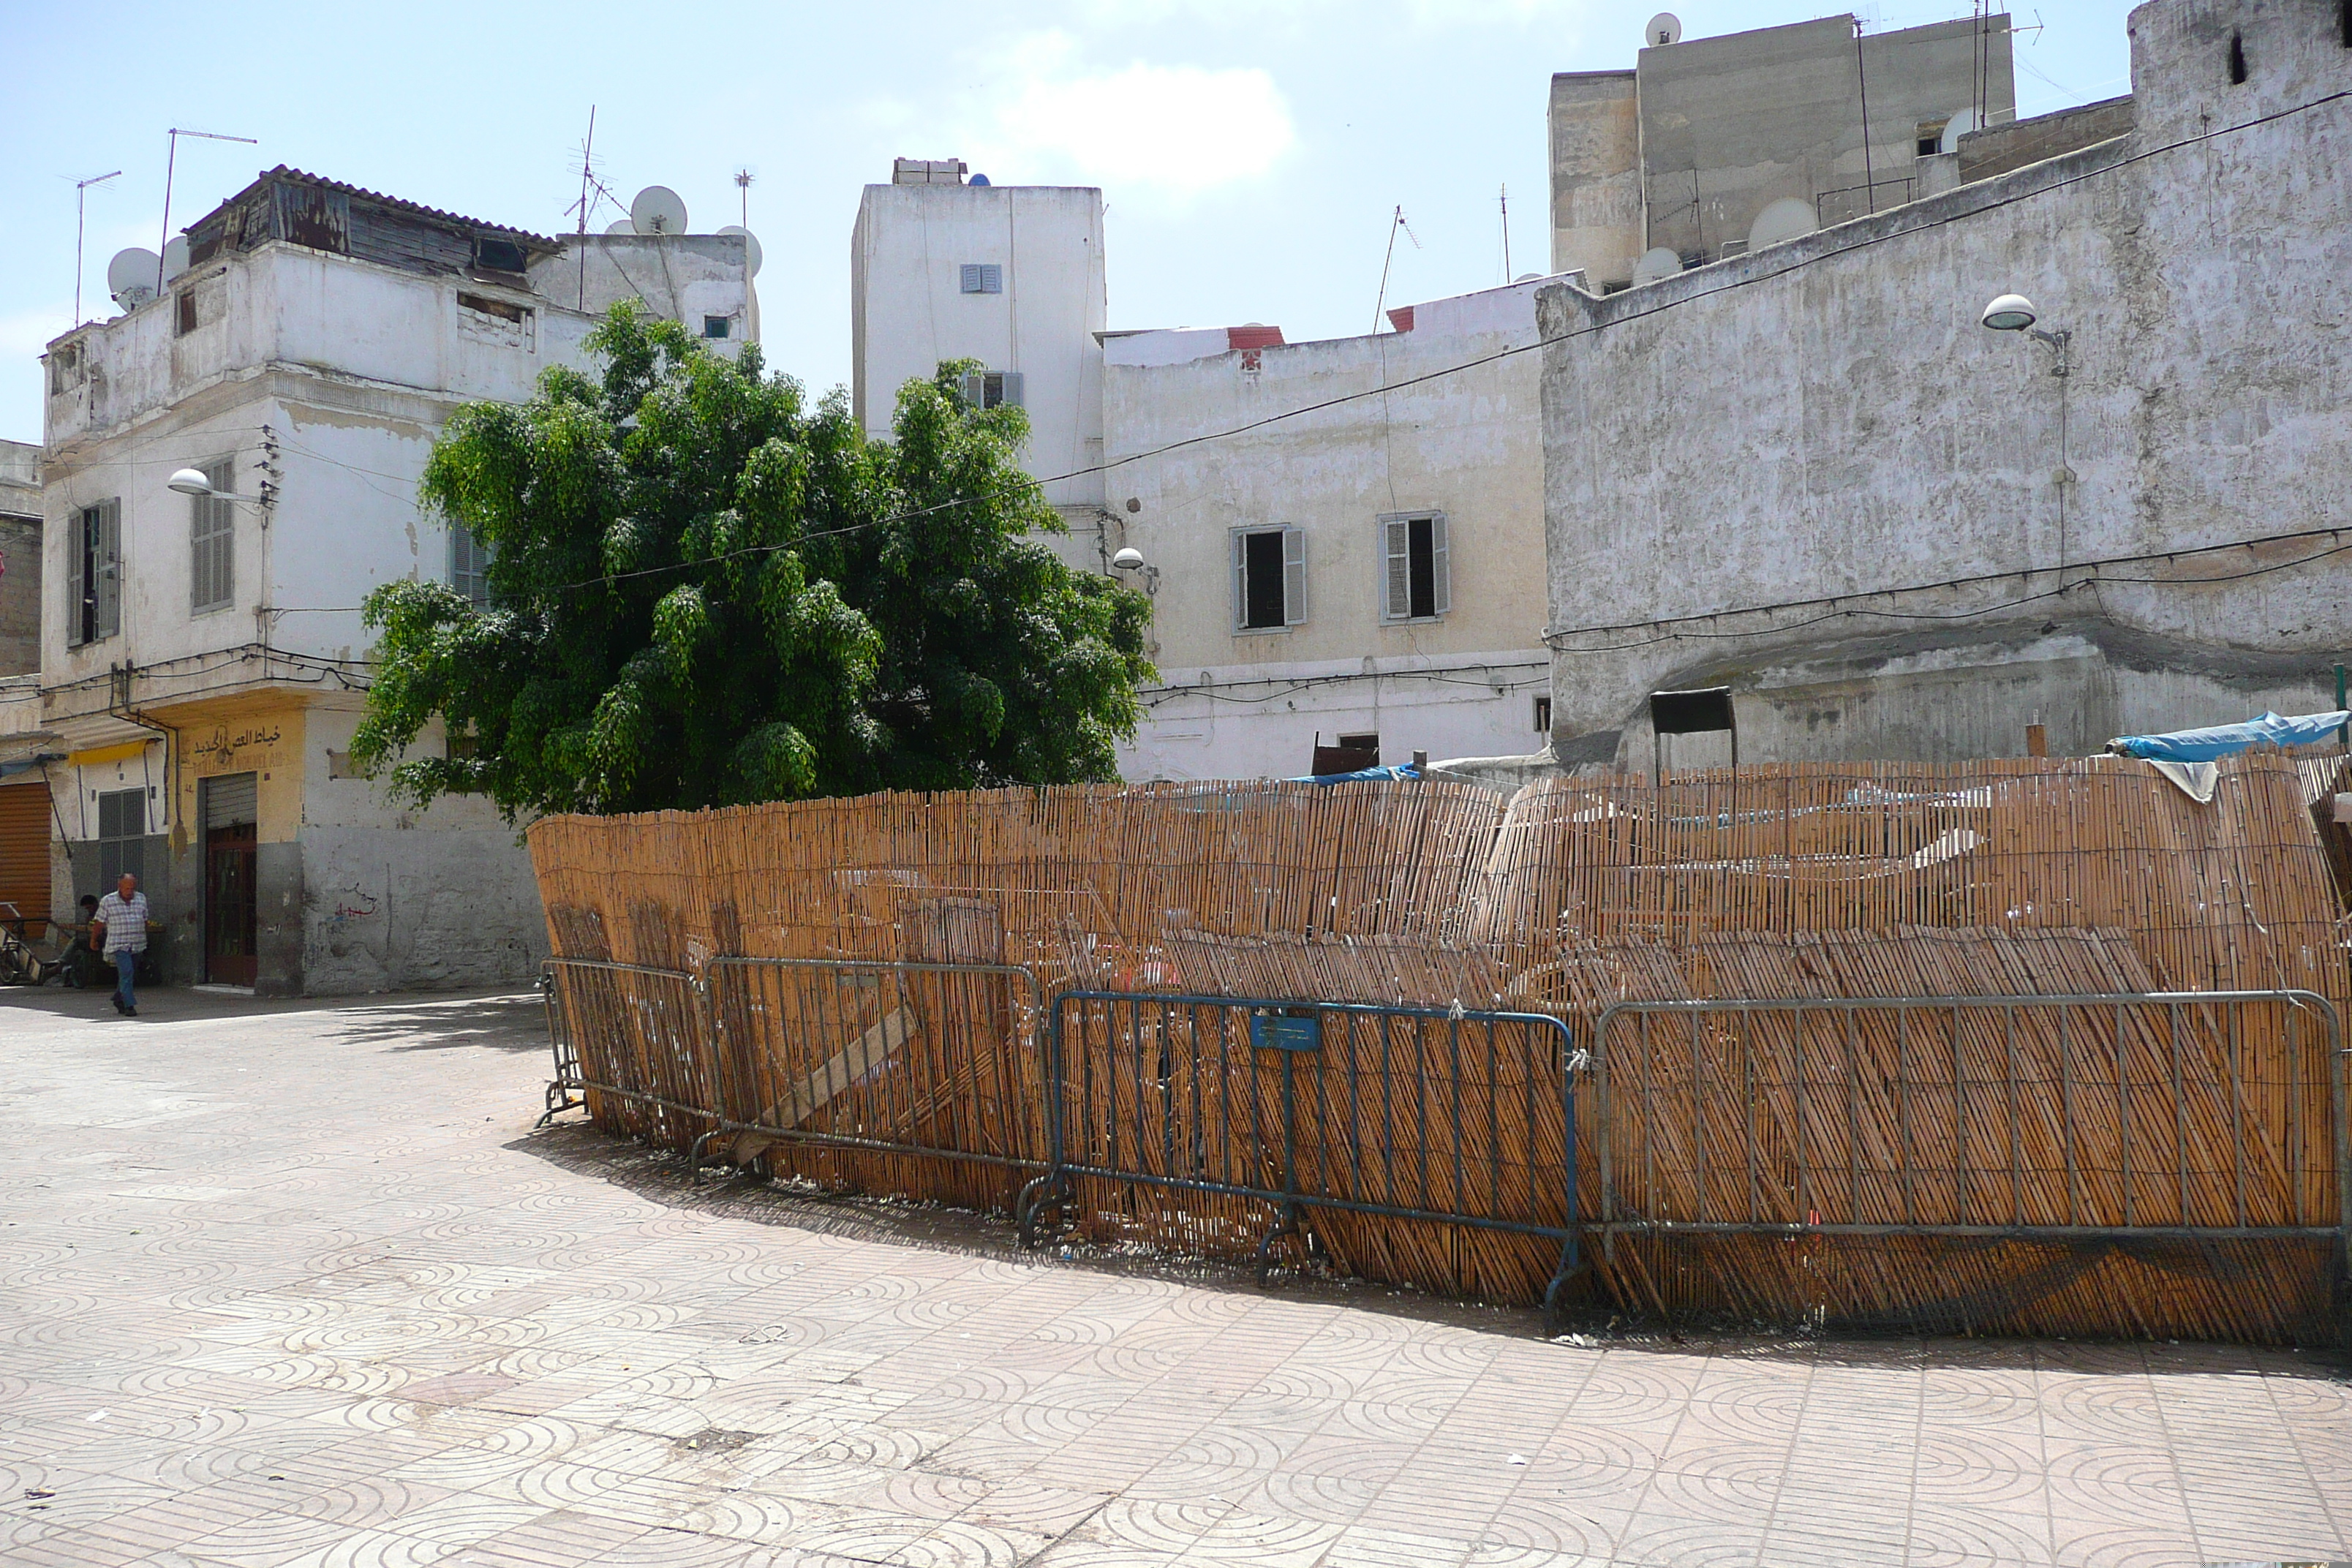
(1826, 420)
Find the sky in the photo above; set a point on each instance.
(1251, 153)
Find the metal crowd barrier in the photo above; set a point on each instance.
(2065, 1118)
(891, 1057)
(632, 1032)
(1453, 1116)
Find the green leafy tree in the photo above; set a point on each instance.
(704, 591)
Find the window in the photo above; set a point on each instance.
(187, 311)
(504, 310)
(981, 277)
(716, 326)
(1930, 137)
(1413, 567)
(2237, 60)
(121, 835)
(498, 254)
(470, 565)
(994, 389)
(94, 573)
(1367, 742)
(1543, 715)
(212, 541)
(1269, 578)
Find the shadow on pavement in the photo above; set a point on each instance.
(507, 1019)
(659, 1176)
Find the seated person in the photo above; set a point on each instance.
(78, 963)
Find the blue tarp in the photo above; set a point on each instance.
(2228, 740)
(1396, 771)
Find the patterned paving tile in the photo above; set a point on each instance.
(279, 1290)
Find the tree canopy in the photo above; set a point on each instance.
(703, 591)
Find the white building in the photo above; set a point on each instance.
(203, 662)
(1011, 276)
(1369, 575)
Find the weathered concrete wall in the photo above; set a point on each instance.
(1240, 704)
(1998, 149)
(685, 277)
(1595, 123)
(1760, 471)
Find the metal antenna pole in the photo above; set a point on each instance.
(171, 164)
(1505, 199)
(743, 184)
(587, 156)
(82, 199)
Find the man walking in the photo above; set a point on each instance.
(123, 915)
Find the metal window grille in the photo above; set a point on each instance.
(470, 565)
(212, 541)
(1416, 567)
(981, 277)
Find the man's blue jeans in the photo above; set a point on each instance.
(126, 967)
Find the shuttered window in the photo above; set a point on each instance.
(1269, 578)
(996, 389)
(470, 565)
(212, 543)
(25, 852)
(94, 573)
(1413, 567)
(981, 277)
(121, 835)
(231, 800)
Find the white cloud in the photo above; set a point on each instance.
(1145, 131)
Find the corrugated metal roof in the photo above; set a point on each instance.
(287, 172)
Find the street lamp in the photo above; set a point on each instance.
(2015, 313)
(192, 482)
(1131, 560)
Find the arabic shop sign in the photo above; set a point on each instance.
(236, 749)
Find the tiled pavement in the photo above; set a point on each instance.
(288, 1285)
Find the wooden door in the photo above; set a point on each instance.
(229, 855)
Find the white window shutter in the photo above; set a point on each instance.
(1294, 576)
(77, 588)
(992, 277)
(109, 569)
(1240, 582)
(1442, 594)
(975, 387)
(1013, 390)
(1396, 535)
(967, 277)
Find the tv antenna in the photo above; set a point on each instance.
(1399, 223)
(1506, 200)
(743, 178)
(591, 189)
(171, 164)
(81, 197)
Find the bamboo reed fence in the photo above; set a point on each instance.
(2002, 878)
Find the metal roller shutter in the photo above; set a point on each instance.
(25, 849)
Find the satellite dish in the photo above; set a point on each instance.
(981, 180)
(658, 210)
(131, 277)
(175, 258)
(1784, 219)
(1664, 29)
(751, 247)
(1962, 122)
(1656, 264)
(1528, 278)
(620, 226)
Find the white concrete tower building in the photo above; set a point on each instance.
(944, 267)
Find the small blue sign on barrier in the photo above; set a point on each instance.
(1284, 1032)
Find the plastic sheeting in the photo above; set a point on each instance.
(2228, 739)
(1393, 772)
